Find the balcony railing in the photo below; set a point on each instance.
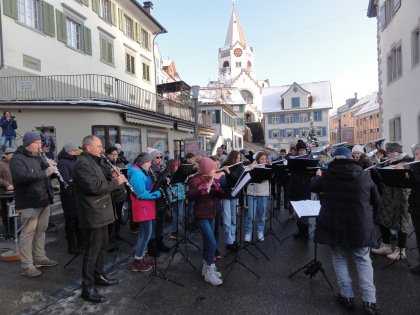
(93, 87)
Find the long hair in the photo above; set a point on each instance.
(171, 165)
(231, 158)
(259, 155)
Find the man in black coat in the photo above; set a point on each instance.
(345, 222)
(33, 197)
(95, 212)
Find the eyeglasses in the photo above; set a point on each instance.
(158, 157)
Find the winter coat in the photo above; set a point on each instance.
(258, 189)
(8, 127)
(231, 180)
(93, 192)
(48, 142)
(32, 185)
(204, 203)
(414, 199)
(122, 158)
(143, 209)
(5, 175)
(157, 170)
(393, 209)
(345, 218)
(65, 166)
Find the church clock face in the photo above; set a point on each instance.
(237, 52)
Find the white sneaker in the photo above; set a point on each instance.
(216, 273)
(211, 277)
(261, 236)
(247, 238)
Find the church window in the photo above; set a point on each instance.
(247, 96)
(226, 64)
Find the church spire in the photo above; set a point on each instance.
(234, 33)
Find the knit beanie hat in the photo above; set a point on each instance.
(357, 148)
(70, 146)
(118, 146)
(154, 152)
(300, 145)
(414, 148)
(30, 137)
(342, 151)
(322, 153)
(206, 166)
(144, 159)
(394, 147)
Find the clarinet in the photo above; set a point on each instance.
(115, 169)
(60, 178)
(154, 180)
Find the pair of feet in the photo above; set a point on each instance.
(32, 271)
(92, 295)
(260, 237)
(348, 304)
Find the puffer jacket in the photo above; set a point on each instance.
(65, 166)
(32, 185)
(414, 199)
(258, 189)
(93, 192)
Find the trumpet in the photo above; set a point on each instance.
(60, 178)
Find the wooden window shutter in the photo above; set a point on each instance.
(242, 121)
(282, 119)
(217, 112)
(113, 14)
(324, 132)
(87, 38)
(10, 8)
(270, 134)
(295, 132)
(110, 52)
(95, 6)
(149, 42)
(136, 32)
(48, 12)
(270, 119)
(121, 19)
(61, 26)
(392, 130)
(103, 44)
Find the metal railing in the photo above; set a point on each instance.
(93, 87)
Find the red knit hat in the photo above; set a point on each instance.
(206, 166)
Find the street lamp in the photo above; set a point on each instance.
(195, 89)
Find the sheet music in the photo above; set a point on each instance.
(243, 180)
(306, 208)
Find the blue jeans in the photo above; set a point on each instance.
(364, 269)
(256, 206)
(229, 219)
(145, 231)
(190, 212)
(209, 242)
(4, 140)
(178, 207)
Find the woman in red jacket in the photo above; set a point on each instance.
(203, 188)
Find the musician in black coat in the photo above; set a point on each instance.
(414, 201)
(345, 223)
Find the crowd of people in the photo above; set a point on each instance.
(93, 196)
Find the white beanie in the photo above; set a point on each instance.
(357, 148)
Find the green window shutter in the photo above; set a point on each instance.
(392, 129)
(95, 6)
(217, 112)
(48, 12)
(61, 26)
(121, 19)
(86, 2)
(241, 108)
(10, 8)
(149, 42)
(110, 52)
(87, 38)
(103, 47)
(242, 121)
(113, 14)
(136, 32)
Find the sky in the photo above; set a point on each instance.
(294, 41)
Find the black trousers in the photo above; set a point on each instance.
(73, 232)
(386, 236)
(95, 247)
(217, 225)
(5, 217)
(416, 224)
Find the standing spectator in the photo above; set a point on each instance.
(33, 197)
(9, 125)
(6, 185)
(121, 155)
(220, 154)
(48, 145)
(95, 212)
(66, 159)
(345, 222)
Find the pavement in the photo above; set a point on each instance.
(252, 284)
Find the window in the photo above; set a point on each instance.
(28, 12)
(247, 96)
(289, 118)
(394, 63)
(128, 26)
(238, 64)
(416, 47)
(226, 64)
(349, 135)
(289, 132)
(130, 65)
(73, 34)
(275, 119)
(387, 11)
(107, 50)
(295, 102)
(318, 116)
(145, 39)
(303, 117)
(395, 129)
(104, 10)
(303, 131)
(146, 72)
(319, 131)
(275, 133)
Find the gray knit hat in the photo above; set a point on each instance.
(70, 146)
(144, 159)
(30, 137)
(154, 152)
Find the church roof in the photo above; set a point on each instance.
(320, 92)
(234, 33)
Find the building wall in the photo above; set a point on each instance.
(367, 127)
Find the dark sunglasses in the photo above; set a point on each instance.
(158, 157)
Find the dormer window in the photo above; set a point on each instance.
(295, 102)
(226, 64)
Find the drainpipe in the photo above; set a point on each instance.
(1, 42)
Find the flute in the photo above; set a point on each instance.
(221, 169)
(115, 169)
(210, 183)
(60, 178)
(389, 160)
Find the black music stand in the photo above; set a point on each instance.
(280, 172)
(399, 178)
(312, 267)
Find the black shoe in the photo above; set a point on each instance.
(233, 246)
(162, 247)
(105, 281)
(92, 295)
(347, 303)
(371, 308)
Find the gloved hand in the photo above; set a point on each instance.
(203, 189)
(216, 186)
(50, 170)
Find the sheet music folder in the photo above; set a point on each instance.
(306, 208)
(259, 174)
(242, 181)
(394, 177)
(301, 165)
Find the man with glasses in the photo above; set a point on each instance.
(95, 211)
(33, 197)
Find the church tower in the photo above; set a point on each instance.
(236, 69)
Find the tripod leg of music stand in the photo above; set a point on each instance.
(71, 260)
(301, 268)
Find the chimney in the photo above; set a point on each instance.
(355, 96)
(148, 7)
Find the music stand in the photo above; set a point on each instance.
(310, 209)
(280, 172)
(398, 178)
